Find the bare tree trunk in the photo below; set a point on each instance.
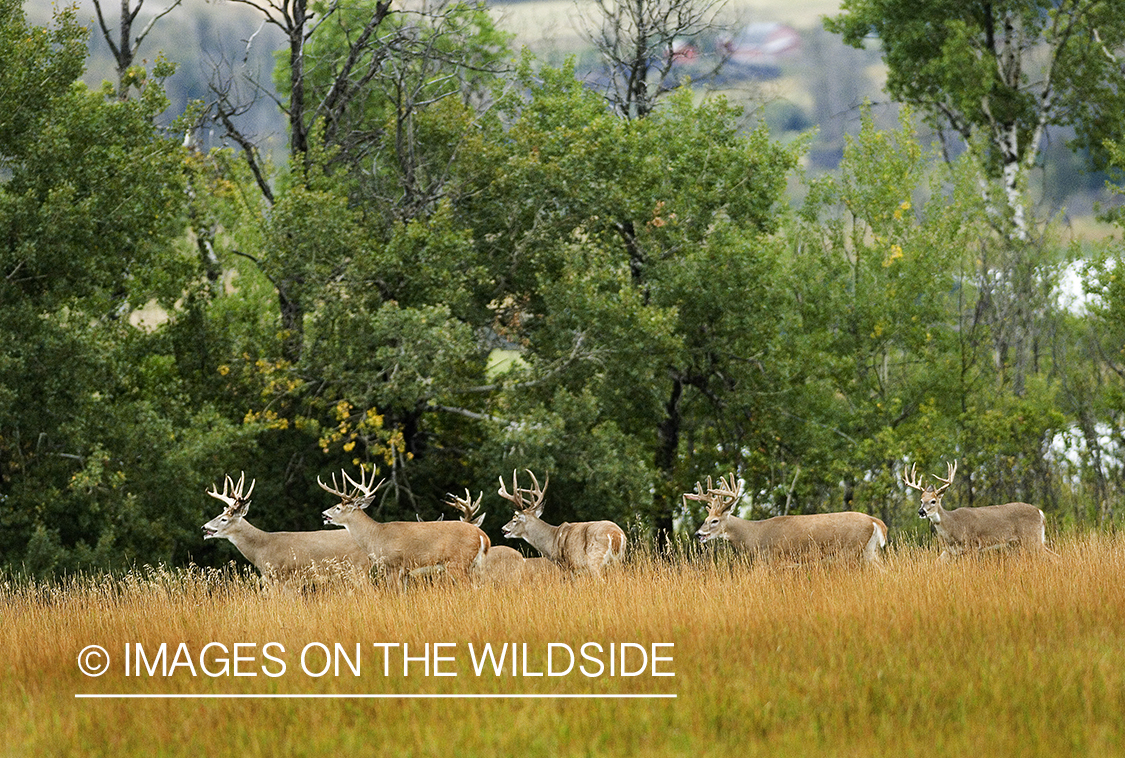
(667, 449)
(125, 48)
(636, 38)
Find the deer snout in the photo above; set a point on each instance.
(208, 533)
(921, 512)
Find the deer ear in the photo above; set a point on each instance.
(478, 520)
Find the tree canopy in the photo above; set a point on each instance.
(475, 263)
(1001, 73)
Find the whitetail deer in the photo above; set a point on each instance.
(402, 546)
(848, 534)
(503, 564)
(989, 527)
(584, 547)
(280, 555)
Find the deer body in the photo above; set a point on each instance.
(989, 527)
(539, 568)
(848, 535)
(287, 553)
(505, 565)
(587, 546)
(400, 547)
(583, 547)
(281, 555)
(502, 564)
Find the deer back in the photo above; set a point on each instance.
(540, 568)
(457, 545)
(847, 533)
(588, 545)
(992, 526)
(290, 552)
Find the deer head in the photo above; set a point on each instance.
(358, 497)
(720, 504)
(236, 502)
(526, 511)
(930, 507)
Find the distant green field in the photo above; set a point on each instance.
(552, 22)
(500, 361)
(1010, 656)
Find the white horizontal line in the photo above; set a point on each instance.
(367, 696)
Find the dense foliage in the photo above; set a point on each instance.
(477, 265)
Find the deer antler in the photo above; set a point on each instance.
(700, 494)
(726, 494)
(952, 469)
(334, 489)
(360, 490)
(536, 491)
(911, 479)
(465, 505)
(233, 498)
(514, 497)
(722, 497)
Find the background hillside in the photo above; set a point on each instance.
(816, 86)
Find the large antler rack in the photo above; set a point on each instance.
(726, 494)
(232, 493)
(466, 505)
(911, 478)
(535, 492)
(361, 490)
(951, 469)
(721, 498)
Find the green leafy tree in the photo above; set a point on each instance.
(898, 359)
(379, 305)
(999, 74)
(102, 450)
(1094, 387)
(630, 267)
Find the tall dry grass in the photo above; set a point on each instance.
(1010, 655)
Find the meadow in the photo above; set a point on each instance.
(1007, 655)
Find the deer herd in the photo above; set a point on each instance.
(461, 550)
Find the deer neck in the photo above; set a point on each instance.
(741, 532)
(249, 539)
(359, 523)
(945, 522)
(541, 536)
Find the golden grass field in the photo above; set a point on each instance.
(1012, 655)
